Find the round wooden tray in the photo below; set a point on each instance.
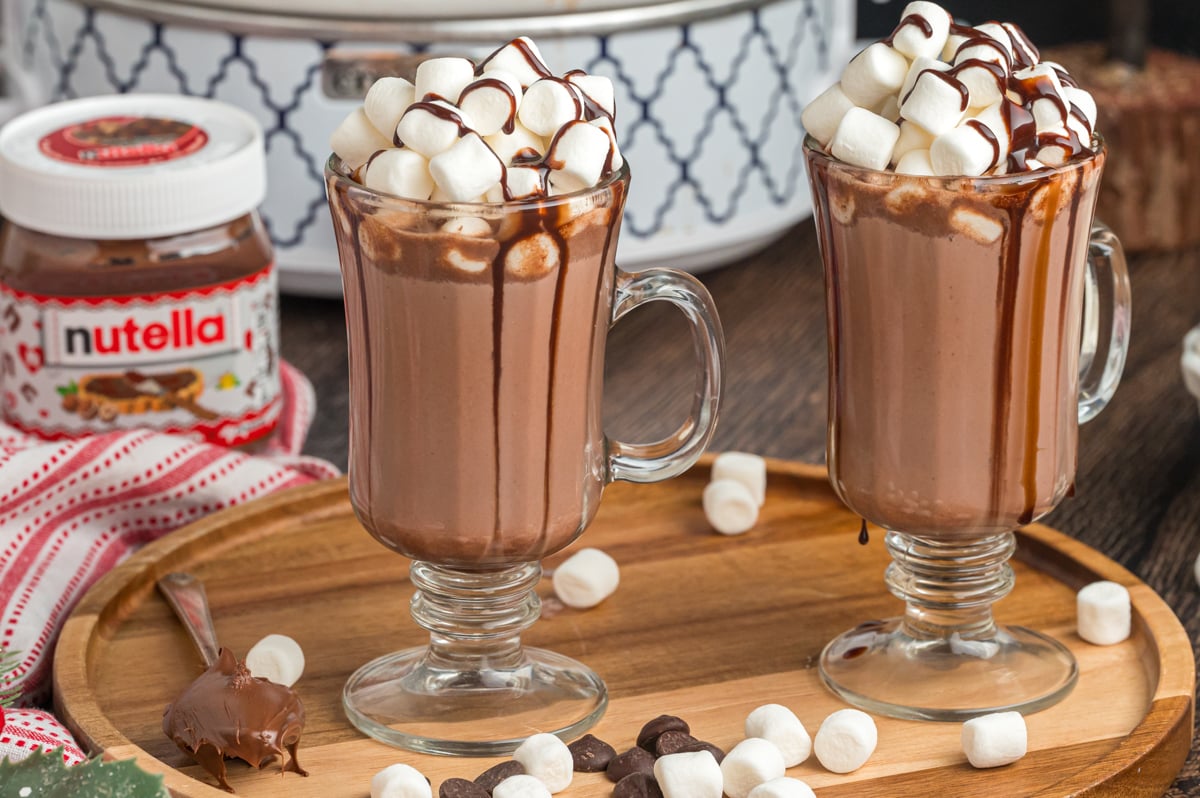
(703, 626)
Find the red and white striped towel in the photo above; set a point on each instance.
(71, 511)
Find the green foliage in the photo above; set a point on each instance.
(8, 692)
(45, 776)
(69, 389)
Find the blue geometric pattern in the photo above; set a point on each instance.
(710, 110)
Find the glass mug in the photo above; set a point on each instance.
(955, 310)
(476, 343)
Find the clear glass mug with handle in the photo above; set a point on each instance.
(476, 344)
(956, 308)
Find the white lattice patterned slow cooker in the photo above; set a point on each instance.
(709, 94)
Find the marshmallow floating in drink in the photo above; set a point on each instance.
(505, 129)
(936, 98)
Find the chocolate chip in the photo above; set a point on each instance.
(591, 754)
(637, 785)
(672, 742)
(489, 778)
(663, 723)
(461, 788)
(700, 745)
(635, 760)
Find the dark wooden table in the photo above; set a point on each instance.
(1138, 483)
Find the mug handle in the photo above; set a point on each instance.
(671, 456)
(1096, 386)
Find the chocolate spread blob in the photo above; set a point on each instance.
(227, 712)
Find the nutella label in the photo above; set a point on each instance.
(123, 141)
(200, 362)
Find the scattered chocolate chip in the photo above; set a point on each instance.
(591, 754)
(700, 745)
(489, 778)
(635, 760)
(672, 742)
(663, 723)
(461, 788)
(637, 785)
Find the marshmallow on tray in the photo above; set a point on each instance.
(779, 725)
(748, 469)
(586, 578)
(548, 759)
(783, 787)
(277, 658)
(400, 781)
(748, 764)
(993, 740)
(689, 775)
(865, 139)
(845, 740)
(521, 786)
(729, 506)
(1103, 613)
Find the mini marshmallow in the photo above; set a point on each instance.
(748, 764)
(729, 506)
(548, 759)
(1023, 50)
(522, 141)
(466, 170)
(983, 87)
(400, 781)
(356, 139)
(691, 775)
(549, 104)
(935, 102)
(782, 787)
(521, 786)
(993, 740)
(386, 102)
(748, 469)
(1050, 115)
(910, 38)
(845, 740)
(1083, 100)
(889, 109)
(978, 227)
(865, 139)
(918, 66)
(1103, 613)
(402, 172)
(532, 256)
(578, 156)
(521, 58)
(460, 260)
(443, 78)
(277, 658)
(423, 128)
(912, 137)
(993, 119)
(470, 226)
(961, 151)
(953, 42)
(873, 74)
(586, 578)
(989, 51)
(597, 88)
(822, 116)
(522, 182)
(441, 195)
(492, 101)
(915, 162)
(779, 725)
(997, 32)
(605, 124)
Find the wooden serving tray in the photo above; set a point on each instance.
(703, 626)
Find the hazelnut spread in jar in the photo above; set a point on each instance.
(137, 285)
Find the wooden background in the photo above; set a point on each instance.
(1138, 497)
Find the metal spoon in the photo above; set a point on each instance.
(185, 593)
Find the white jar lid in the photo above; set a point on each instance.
(130, 166)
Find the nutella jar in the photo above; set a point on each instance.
(137, 284)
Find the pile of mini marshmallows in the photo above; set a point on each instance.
(505, 129)
(936, 98)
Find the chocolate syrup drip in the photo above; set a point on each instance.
(552, 229)
(497, 363)
(576, 95)
(864, 537)
(1071, 490)
(1022, 134)
(445, 113)
(917, 21)
(523, 48)
(1063, 297)
(977, 39)
(988, 136)
(1006, 310)
(1080, 117)
(510, 123)
(530, 158)
(949, 80)
(592, 110)
(998, 72)
(361, 172)
(1065, 78)
(1025, 54)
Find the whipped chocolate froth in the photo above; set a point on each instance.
(227, 712)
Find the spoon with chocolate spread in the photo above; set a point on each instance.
(226, 711)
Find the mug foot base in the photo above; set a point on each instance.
(878, 667)
(403, 700)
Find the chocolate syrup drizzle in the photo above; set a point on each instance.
(864, 537)
(526, 52)
(510, 122)
(445, 113)
(916, 21)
